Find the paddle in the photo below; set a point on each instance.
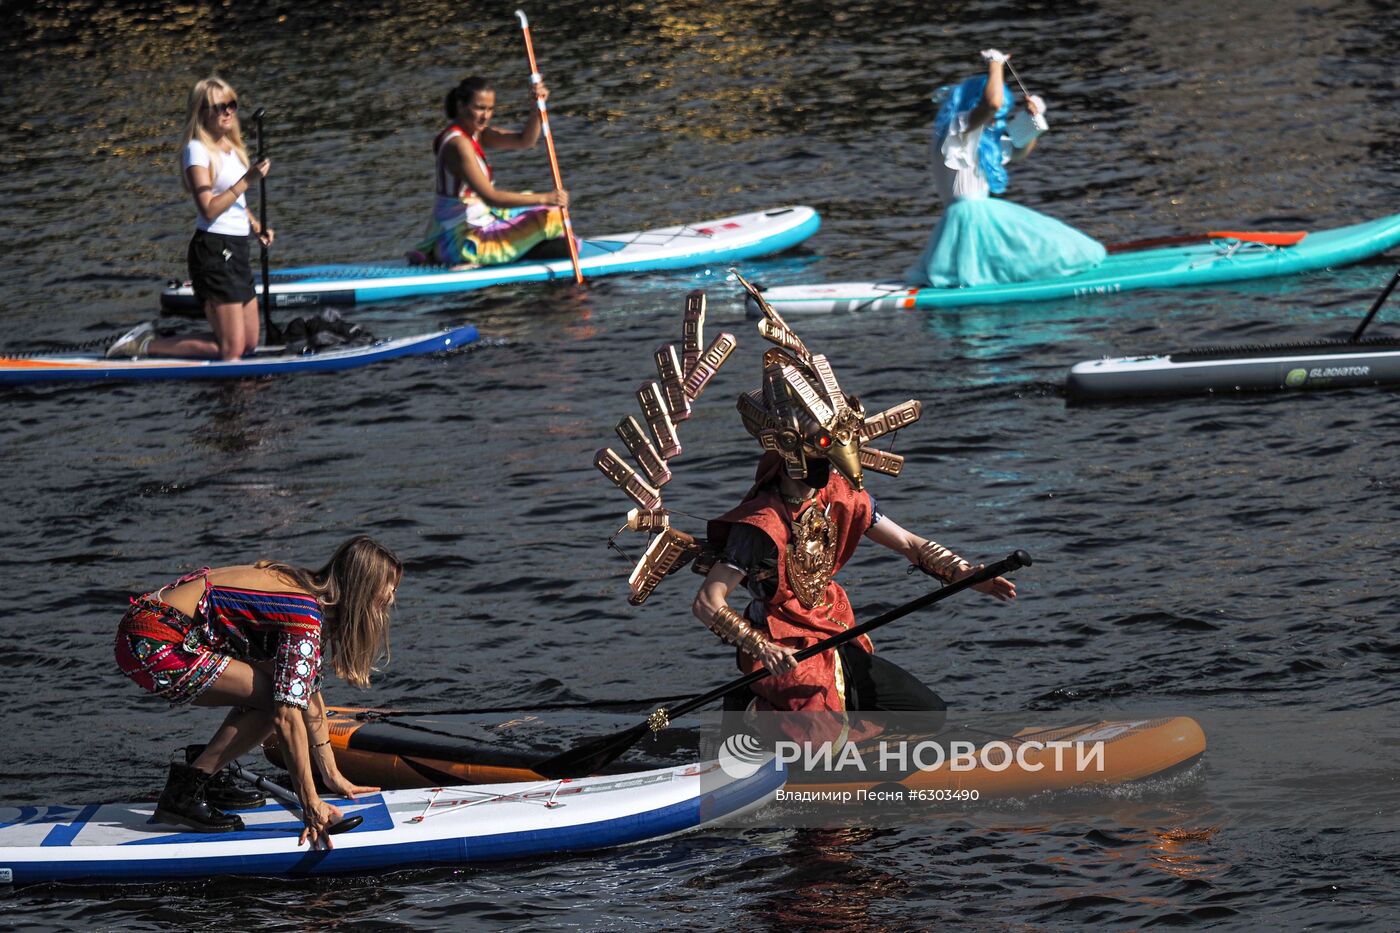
(536, 78)
(289, 798)
(590, 756)
(376, 715)
(1265, 237)
(1394, 279)
(271, 333)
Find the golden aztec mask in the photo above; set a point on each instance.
(800, 411)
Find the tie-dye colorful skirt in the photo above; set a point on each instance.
(510, 236)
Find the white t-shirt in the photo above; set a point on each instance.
(234, 220)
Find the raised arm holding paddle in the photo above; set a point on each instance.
(797, 640)
(537, 80)
(980, 239)
(476, 223)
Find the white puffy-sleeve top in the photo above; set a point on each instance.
(956, 172)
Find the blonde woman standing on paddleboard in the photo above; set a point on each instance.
(214, 169)
(252, 637)
(980, 239)
(474, 222)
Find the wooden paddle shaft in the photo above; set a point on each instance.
(536, 78)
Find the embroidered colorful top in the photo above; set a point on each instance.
(259, 625)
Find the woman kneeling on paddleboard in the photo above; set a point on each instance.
(474, 222)
(981, 240)
(214, 169)
(252, 637)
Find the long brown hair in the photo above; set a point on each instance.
(201, 96)
(355, 613)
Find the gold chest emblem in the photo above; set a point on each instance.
(811, 555)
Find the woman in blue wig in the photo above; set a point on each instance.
(981, 240)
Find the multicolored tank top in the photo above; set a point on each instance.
(448, 185)
(261, 625)
(455, 204)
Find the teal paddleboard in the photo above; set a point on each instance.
(1222, 260)
(722, 240)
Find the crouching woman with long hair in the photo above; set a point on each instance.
(252, 637)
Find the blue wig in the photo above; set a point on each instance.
(954, 99)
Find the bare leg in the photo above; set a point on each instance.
(240, 685)
(235, 327)
(242, 731)
(251, 326)
(203, 347)
(235, 334)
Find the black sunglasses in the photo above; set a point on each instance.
(228, 106)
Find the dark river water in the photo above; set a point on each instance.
(1231, 559)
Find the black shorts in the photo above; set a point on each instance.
(220, 270)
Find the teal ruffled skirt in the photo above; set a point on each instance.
(988, 241)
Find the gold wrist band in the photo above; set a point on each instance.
(732, 629)
(936, 560)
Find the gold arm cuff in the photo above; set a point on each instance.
(936, 560)
(734, 630)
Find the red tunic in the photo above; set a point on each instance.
(814, 686)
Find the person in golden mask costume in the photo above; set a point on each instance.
(799, 524)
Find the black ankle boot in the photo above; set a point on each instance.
(221, 791)
(182, 803)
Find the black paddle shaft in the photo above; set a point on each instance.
(273, 335)
(1390, 287)
(1005, 565)
(289, 798)
(590, 756)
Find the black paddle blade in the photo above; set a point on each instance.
(345, 825)
(590, 757)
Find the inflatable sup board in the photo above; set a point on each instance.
(435, 826)
(88, 367)
(1223, 260)
(390, 750)
(1284, 367)
(723, 240)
